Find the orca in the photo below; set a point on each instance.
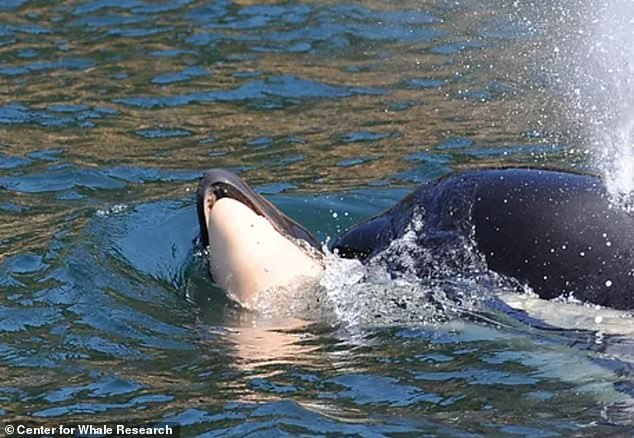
(253, 246)
(556, 231)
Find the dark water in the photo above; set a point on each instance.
(109, 112)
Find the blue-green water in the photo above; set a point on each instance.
(109, 112)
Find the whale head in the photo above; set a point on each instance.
(253, 246)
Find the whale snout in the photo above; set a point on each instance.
(253, 246)
(216, 184)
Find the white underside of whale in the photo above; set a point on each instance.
(247, 255)
(572, 315)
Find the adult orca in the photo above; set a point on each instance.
(555, 231)
(558, 232)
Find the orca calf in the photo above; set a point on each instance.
(253, 246)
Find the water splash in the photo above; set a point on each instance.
(590, 61)
(608, 73)
(409, 282)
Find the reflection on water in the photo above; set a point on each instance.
(110, 111)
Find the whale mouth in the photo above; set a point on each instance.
(219, 183)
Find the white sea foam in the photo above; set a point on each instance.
(112, 210)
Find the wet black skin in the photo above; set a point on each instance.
(555, 231)
(224, 184)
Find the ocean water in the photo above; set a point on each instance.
(110, 110)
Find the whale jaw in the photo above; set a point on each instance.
(247, 254)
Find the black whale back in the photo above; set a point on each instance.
(555, 231)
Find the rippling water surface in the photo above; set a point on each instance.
(111, 109)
